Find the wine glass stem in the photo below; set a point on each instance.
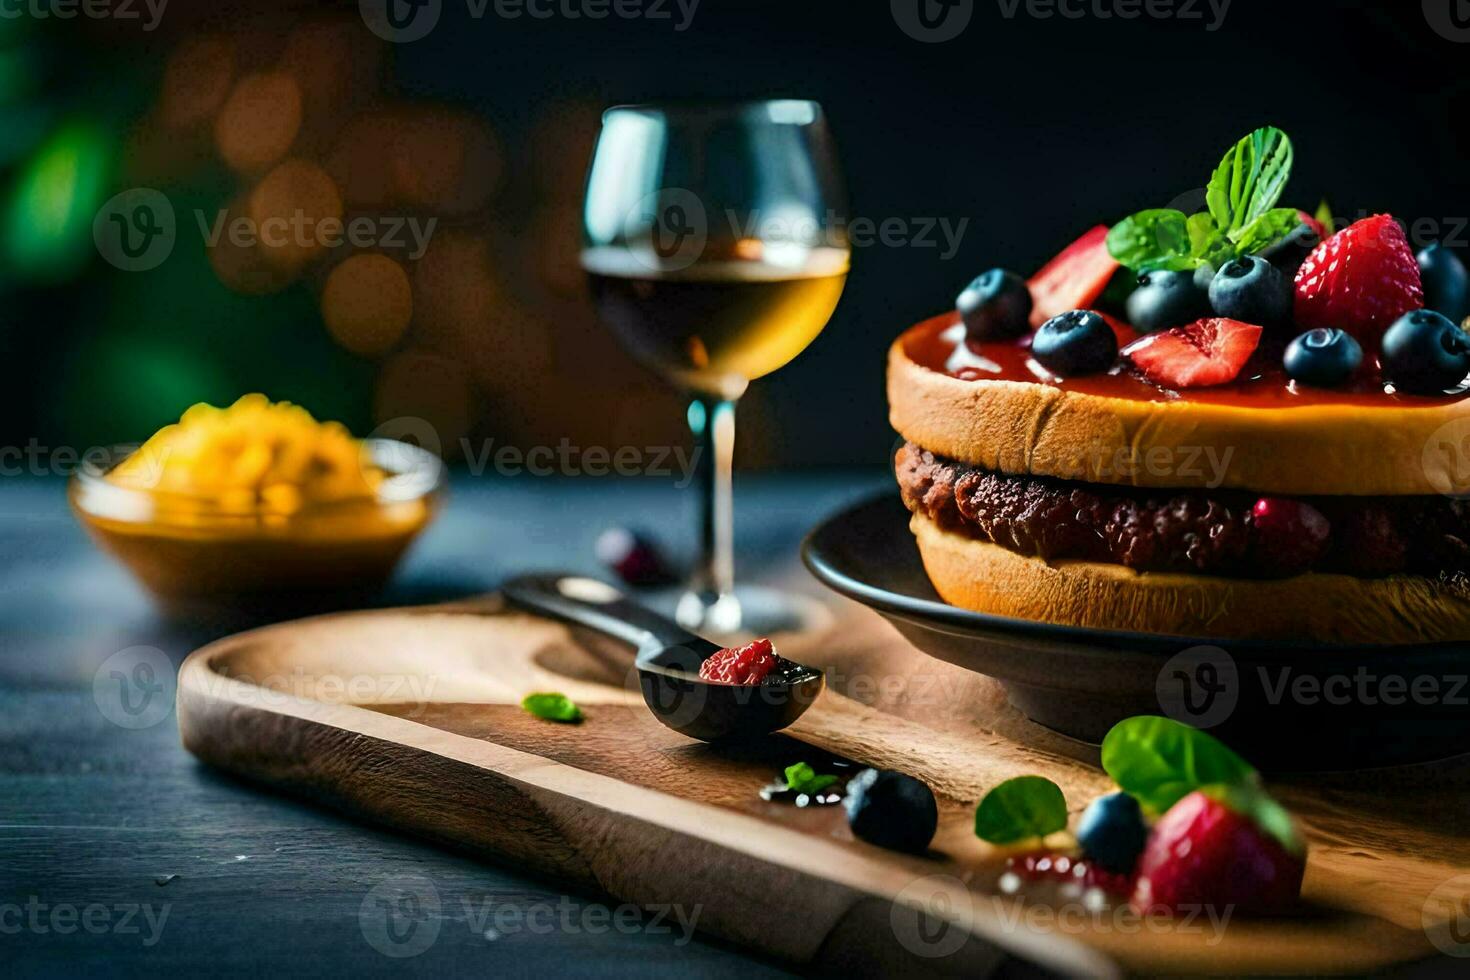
(712, 421)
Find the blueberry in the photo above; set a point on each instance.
(1166, 299)
(1446, 283)
(996, 306)
(1080, 342)
(1425, 353)
(1324, 358)
(891, 810)
(1203, 276)
(1251, 290)
(1112, 832)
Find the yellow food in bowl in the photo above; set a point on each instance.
(259, 498)
(255, 457)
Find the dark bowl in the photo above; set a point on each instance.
(1287, 706)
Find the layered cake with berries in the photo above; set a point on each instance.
(1244, 422)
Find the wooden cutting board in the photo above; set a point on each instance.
(410, 718)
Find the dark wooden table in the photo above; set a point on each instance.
(120, 854)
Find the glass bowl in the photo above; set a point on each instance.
(199, 553)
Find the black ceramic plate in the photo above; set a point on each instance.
(1288, 706)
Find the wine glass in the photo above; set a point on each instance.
(716, 254)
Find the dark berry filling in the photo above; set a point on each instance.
(1215, 532)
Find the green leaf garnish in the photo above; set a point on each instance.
(802, 778)
(553, 707)
(1249, 180)
(1159, 761)
(1021, 808)
(1242, 217)
(1266, 230)
(1155, 239)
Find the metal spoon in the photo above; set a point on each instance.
(668, 659)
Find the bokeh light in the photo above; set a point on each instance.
(259, 121)
(292, 208)
(240, 263)
(367, 303)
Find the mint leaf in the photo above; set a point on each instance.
(802, 778)
(1249, 180)
(552, 707)
(1206, 244)
(1251, 801)
(1155, 239)
(1021, 808)
(1159, 761)
(1266, 230)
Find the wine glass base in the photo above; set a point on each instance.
(751, 610)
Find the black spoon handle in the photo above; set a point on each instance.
(596, 605)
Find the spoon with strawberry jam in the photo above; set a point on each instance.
(697, 688)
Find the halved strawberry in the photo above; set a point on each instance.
(1361, 280)
(1074, 279)
(1206, 352)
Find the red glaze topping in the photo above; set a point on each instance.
(740, 665)
(939, 344)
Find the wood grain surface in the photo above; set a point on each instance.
(409, 718)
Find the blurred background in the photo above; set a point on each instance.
(1017, 135)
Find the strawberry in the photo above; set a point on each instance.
(1206, 352)
(1221, 847)
(1362, 279)
(740, 665)
(1074, 279)
(1317, 227)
